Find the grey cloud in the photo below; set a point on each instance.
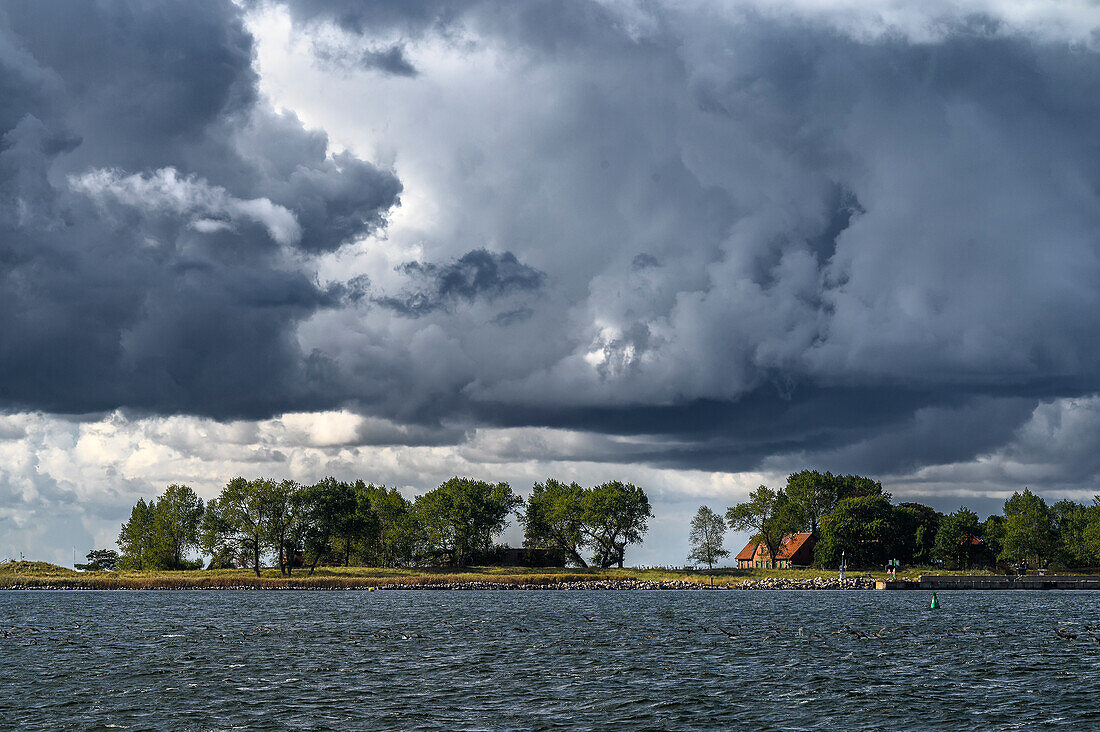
(389, 61)
(476, 274)
(146, 192)
(766, 236)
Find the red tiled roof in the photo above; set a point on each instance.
(791, 544)
(747, 553)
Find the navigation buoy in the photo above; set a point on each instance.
(935, 603)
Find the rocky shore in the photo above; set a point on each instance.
(809, 583)
(815, 583)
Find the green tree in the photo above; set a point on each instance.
(100, 560)
(958, 541)
(812, 495)
(1090, 536)
(1071, 524)
(395, 539)
(993, 534)
(236, 522)
(136, 538)
(277, 520)
(553, 518)
(863, 528)
(917, 526)
(461, 517)
(616, 515)
(177, 515)
(330, 502)
(301, 521)
(1029, 529)
(708, 532)
(769, 515)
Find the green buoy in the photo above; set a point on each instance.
(935, 603)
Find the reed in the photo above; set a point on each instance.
(14, 575)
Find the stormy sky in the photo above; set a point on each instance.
(691, 245)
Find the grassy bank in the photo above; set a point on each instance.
(42, 574)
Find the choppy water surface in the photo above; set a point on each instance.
(539, 659)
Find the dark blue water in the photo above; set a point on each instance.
(539, 660)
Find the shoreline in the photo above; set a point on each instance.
(336, 585)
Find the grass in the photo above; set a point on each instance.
(43, 574)
(40, 574)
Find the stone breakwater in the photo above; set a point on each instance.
(810, 583)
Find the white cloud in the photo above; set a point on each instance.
(165, 191)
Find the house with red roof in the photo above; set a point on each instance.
(797, 550)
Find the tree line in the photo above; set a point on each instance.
(361, 524)
(854, 519)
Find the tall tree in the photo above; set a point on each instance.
(1029, 530)
(396, 529)
(616, 515)
(768, 514)
(917, 525)
(135, 539)
(461, 517)
(959, 539)
(277, 519)
(863, 528)
(554, 519)
(176, 519)
(708, 531)
(235, 523)
(331, 503)
(1071, 523)
(812, 495)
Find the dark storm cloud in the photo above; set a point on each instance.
(476, 274)
(766, 234)
(146, 195)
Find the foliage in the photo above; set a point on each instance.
(177, 514)
(553, 518)
(769, 515)
(136, 538)
(862, 529)
(100, 560)
(1029, 529)
(917, 526)
(460, 518)
(959, 541)
(707, 532)
(1077, 528)
(615, 515)
(812, 496)
(568, 518)
(236, 524)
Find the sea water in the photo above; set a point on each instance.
(408, 659)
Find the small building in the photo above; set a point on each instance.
(797, 550)
(510, 557)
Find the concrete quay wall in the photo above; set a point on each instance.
(993, 582)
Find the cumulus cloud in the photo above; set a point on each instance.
(209, 208)
(724, 237)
